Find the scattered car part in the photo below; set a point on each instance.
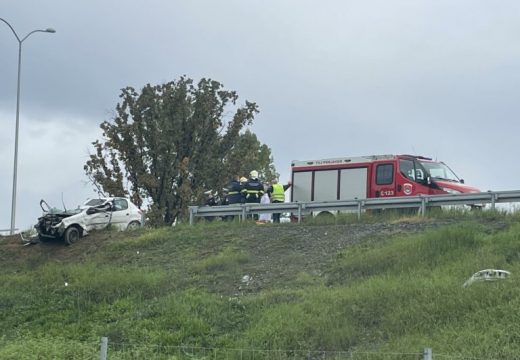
(31, 240)
(487, 275)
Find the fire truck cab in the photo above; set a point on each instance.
(373, 176)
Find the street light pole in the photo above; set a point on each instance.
(15, 171)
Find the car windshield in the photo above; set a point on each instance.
(95, 202)
(440, 171)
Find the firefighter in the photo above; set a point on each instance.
(253, 188)
(233, 191)
(211, 199)
(277, 193)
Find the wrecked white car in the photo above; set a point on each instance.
(95, 214)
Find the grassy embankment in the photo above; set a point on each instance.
(152, 292)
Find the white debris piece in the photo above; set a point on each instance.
(487, 275)
(246, 279)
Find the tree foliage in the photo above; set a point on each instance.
(169, 143)
(247, 154)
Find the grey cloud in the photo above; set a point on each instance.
(331, 78)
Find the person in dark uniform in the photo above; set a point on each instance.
(253, 189)
(211, 200)
(233, 191)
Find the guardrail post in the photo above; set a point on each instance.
(191, 216)
(427, 354)
(104, 348)
(299, 213)
(244, 214)
(493, 199)
(359, 205)
(423, 206)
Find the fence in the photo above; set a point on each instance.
(189, 352)
(298, 209)
(62, 348)
(153, 352)
(156, 352)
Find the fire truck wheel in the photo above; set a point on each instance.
(325, 215)
(71, 235)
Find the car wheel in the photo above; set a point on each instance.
(71, 235)
(133, 225)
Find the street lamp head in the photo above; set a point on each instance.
(50, 30)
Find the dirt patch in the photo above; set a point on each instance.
(280, 254)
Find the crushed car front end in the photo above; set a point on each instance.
(50, 224)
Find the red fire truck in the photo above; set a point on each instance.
(362, 177)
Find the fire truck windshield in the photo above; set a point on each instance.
(439, 171)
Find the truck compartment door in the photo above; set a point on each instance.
(325, 185)
(302, 186)
(353, 184)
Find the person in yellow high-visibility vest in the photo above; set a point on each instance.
(277, 193)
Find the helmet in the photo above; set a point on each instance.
(243, 179)
(254, 174)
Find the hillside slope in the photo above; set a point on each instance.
(304, 291)
(271, 255)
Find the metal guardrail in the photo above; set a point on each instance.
(422, 202)
(8, 231)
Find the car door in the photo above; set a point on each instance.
(97, 217)
(120, 213)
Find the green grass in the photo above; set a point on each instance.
(169, 294)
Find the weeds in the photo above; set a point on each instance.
(172, 287)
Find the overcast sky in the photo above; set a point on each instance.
(332, 78)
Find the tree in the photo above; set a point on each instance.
(249, 154)
(169, 143)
